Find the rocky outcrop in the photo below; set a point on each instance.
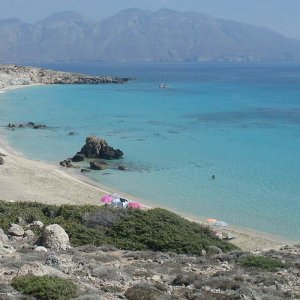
(55, 237)
(98, 148)
(105, 272)
(19, 75)
(78, 157)
(1, 160)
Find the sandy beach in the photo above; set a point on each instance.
(22, 179)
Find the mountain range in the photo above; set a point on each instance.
(141, 35)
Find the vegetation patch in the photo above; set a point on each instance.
(155, 229)
(161, 230)
(45, 287)
(262, 262)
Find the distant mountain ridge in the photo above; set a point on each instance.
(141, 35)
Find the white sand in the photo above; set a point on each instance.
(27, 180)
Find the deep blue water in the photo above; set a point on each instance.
(240, 122)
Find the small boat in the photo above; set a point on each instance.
(164, 85)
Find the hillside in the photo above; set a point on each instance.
(138, 35)
(104, 253)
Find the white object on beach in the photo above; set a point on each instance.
(220, 224)
(115, 196)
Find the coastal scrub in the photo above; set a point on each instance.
(262, 262)
(153, 229)
(45, 287)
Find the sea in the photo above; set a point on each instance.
(221, 141)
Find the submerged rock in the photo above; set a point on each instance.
(97, 165)
(122, 168)
(66, 163)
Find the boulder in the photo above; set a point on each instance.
(36, 224)
(3, 237)
(78, 157)
(38, 269)
(98, 148)
(29, 234)
(16, 230)
(40, 249)
(66, 163)
(55, 237)
(33, 268)
(122, 168)
(1, 160)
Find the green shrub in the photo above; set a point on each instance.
(45, 287)
(155, 229)
(161, 230)
(262, 262)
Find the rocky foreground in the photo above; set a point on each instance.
(12, 75)
(108, 273)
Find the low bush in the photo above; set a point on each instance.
(161, 230)
(155, 229)
(262, 262)
(45, 287)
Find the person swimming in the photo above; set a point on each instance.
(213, 177)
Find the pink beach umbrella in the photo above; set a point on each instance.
(134, 205)
(106, 199)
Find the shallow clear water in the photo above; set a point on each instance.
(238, 122)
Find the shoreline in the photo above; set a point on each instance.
(23, 179)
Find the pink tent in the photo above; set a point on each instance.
(134, 205)
(106, 199)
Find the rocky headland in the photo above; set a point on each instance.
(13, 75)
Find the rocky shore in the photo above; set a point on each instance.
(13, 75)
(104, 272)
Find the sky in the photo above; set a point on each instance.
(279, 15)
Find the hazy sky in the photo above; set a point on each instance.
(280, 15)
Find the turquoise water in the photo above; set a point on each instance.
(238, 122)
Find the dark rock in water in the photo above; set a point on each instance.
(97, 166)
(1, 154)
(1, 161)
(30, 124)
(66, 163)
(21, 126)
(38, 126)
(85, 170)
(98, 148)
(122, 168)
(72, 133)
(10, 125)
(78, 157)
